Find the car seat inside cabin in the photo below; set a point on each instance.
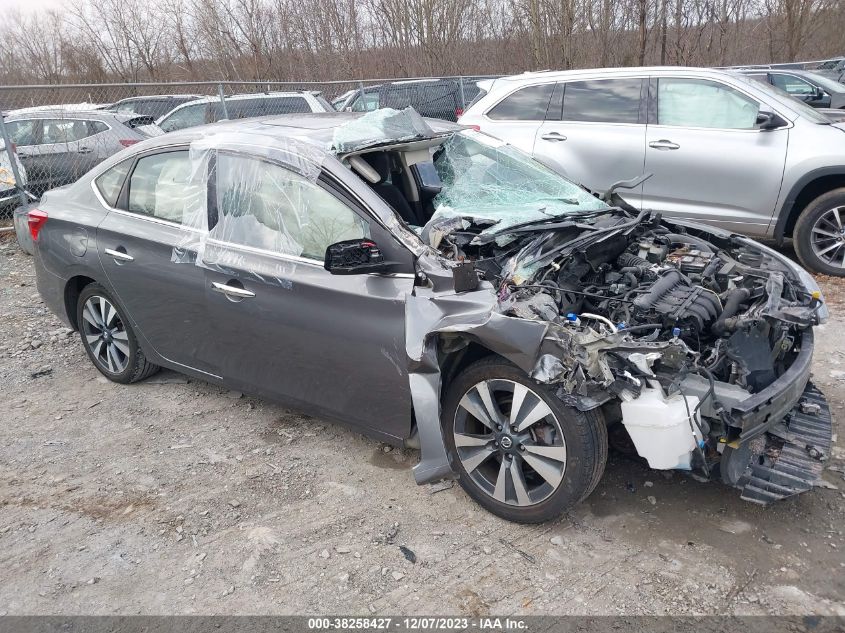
(405, 180)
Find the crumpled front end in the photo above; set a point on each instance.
(698, 343)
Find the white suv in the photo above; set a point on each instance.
(210, 109)
(721, 148)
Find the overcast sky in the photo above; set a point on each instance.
(29, 5)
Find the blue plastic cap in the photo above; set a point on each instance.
(701, 444)
(676, 331)
(572, 316)
(621, 325)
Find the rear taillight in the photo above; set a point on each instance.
(477, 128)
(128, 141)
(459, 112)
(36, 220)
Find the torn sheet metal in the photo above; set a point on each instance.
(469, 316)
(380, 127)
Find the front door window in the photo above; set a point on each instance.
(266, 206)
(701, 103)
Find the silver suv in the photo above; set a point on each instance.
(721, 148)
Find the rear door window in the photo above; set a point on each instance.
(603, 100)
(127, 108)
(95, 127)
(63, 131)
(160, 186)
(189, 116)
(369, 102)
(245, 108)
(526, 104)
(439, 100)
(285, 105)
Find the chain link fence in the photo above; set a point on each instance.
(56, 133)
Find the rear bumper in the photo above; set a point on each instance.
(789, 459)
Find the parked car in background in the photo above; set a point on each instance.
(813, 89)
(210, 109)
(275, 257)
(436, 98)
(835, 116)
(833, 69)
(9, 197)
(57, 147)
(60, 107)
(154, 106)
(720, 148)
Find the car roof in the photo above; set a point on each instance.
(170, 96)
(238, 97)
(252, 95)
(317, 128)
(609, 72)
(74, 114)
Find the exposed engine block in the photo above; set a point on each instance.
(672, 300)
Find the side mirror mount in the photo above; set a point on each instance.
(768, 120)
(355, 257)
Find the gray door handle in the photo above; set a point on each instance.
(232, 291)
(85, 150)
(119, 255)
(664, 144)
(553, 136)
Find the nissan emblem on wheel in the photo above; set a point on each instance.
(441, 289)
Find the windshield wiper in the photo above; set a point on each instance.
(561, 221)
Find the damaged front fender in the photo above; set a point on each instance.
(429, 314)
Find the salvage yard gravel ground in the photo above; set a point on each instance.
(173, 496)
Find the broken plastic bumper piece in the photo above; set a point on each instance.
(789, 458)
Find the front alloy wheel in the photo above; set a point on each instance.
(518, 450)
(509, 442)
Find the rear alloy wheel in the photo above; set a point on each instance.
(108, 338)
(519, 451)
(819, 235)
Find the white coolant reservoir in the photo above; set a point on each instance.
(660, 428)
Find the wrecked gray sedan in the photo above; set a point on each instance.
(437, 288)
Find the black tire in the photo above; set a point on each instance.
(137, 367)
(802, 235)
(584, 437)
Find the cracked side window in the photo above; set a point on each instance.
(266, 206)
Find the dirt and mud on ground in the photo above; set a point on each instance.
(176, 496)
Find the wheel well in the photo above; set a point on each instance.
(73, 289)
(810, 192)
(456, 362)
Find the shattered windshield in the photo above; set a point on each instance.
(486, 179)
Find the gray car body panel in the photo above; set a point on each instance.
(180, 324)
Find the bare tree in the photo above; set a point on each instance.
(257, 40)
